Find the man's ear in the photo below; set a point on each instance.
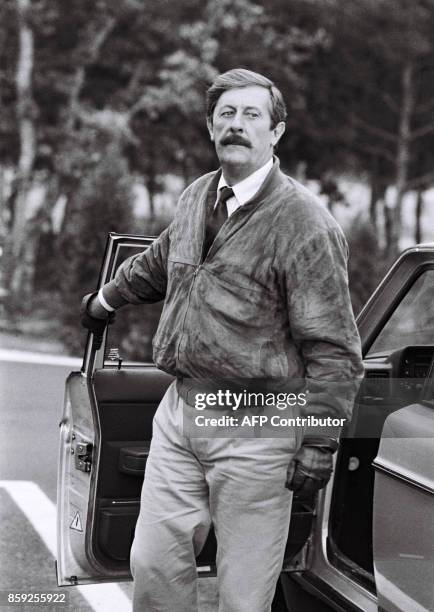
(278, 132)
(210, 129)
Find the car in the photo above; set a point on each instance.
(364, 543)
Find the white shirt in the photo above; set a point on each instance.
(245, 189)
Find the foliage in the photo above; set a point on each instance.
(376, 84)
(117, 95)
(365, 266)
(102, 203)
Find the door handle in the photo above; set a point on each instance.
(132, 459)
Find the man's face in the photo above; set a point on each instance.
(241, 130)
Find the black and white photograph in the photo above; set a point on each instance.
(217, 305)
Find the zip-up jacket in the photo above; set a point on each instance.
(269, 300)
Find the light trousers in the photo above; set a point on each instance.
(238, 484)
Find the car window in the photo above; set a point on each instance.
(412, 322)
(130, 336)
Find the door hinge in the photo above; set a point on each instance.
(83, 455)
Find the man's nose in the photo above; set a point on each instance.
(237, 123)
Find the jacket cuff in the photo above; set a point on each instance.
(322, 432)
(112, 295)
(322, 436)
(321, 442)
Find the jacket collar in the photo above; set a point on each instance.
(272, 180)
(247, 188)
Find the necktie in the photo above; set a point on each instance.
(218, 217)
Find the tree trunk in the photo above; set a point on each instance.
(403, 154)
(418, 219)
(93, 49)
(5, 213)
(26, 126)
(373, 201)
(151, 186)
(388, 222)
(378, 189)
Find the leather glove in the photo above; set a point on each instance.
(94, 324)
(311, 466)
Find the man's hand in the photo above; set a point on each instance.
(311, 467)
(94, 317)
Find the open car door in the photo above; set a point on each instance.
(372, 544)
(105, 435)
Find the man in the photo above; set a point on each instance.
(253, 274)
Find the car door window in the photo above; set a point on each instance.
(412, 321)
(130, 336)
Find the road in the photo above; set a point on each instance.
(31, 399)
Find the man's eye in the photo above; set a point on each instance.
(226, 113)
(252, 114)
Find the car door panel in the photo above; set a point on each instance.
(358, 531)
(127, 400)
(74, 486)
(106, 409)
(403, 526)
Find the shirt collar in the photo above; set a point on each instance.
(246, 189)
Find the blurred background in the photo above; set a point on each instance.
(102, 125)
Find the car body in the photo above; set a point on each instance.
(364, 543)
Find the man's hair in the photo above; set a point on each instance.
(240, 77)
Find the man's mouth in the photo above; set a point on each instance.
(235, 140)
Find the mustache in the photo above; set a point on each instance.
(235, 140)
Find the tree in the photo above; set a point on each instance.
(390, 114)
(131, 77)
(364, 270)
(101, 204)
(25, 110)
